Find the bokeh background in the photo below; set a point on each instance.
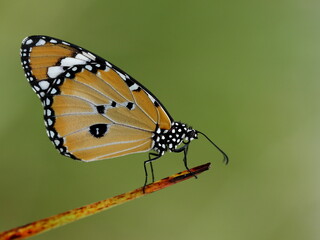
(244, 72)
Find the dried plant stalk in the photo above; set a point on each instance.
(90, 209)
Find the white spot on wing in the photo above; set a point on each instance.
(68, 62)
(51, 134)
(108, 64)
(121, 75)
(82, 57)
(89, 67)
(134, 87)
(48, 112)
(92, 56)
(89, 55)
(151, 98)
(47, 102)
(49, 122)
(24, 40)
(55, 71)
(40, 42)
(44, 85)
(29, 41)
(53, 91)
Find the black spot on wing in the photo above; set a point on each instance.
(113, 104)
(129, 105)
(98, 130)
(129, 82)
(101, 109)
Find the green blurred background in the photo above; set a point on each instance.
(244, 72)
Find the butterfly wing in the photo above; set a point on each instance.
(93, 110)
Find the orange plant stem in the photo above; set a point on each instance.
(90, 209)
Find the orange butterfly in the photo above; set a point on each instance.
(93, 110)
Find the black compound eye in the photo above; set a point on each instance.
(193, 134)
(98, 130)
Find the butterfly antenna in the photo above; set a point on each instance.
(225, 157)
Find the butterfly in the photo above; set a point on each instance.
(93, 110)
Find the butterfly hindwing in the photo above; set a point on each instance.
(93, 110)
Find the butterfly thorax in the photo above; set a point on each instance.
(165, 140)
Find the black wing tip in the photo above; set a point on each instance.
(32, 37)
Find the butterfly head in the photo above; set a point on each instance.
(186, 134)
(179, 133)
(191, 135)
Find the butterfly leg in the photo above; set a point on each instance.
(152, 157)
(184, 149)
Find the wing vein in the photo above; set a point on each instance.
(93, 113)
(130, 93)
(106, 155)
(109, 144)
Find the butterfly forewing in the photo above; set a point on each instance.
(93, 110)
